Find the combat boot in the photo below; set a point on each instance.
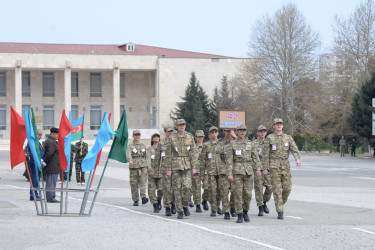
(191, 204)
(219, 211)
(135, 203)
(144, 200)
(173, 209)
(159, 205)
(226, 216)
(213, 213)
(168, 211)
(198, 209)
(180, 215)
(156, 208)
(186, 211)
(233, 212)
(261, 211)
(205, 205)
(239, 218)
(265, 208)
(280, 215)
(246, 216)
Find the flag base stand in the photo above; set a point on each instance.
(44, 208)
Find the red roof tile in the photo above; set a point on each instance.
(87, 49)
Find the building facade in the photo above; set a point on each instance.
(146, 81)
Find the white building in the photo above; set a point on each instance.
(146, 81)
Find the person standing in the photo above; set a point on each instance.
(34, 170)
(242, 161)
(353, 145)
(81, 149)
(51, 158)
(195, 179)
(136, 155)
(277, 147)
(154, 177)
(264, 180)
(342, 144)
(184, 164)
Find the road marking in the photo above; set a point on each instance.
(365, 178)
(363, 230)
(298, 218)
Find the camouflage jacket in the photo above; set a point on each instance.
(259, 146)
(163, 155)
(137, 153)
(198, 152)
(152, 161)
(183, 156)
(243, 158)
(277, 148)
(77, 151)
(213, 158)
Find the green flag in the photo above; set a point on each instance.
(120, 142)
(35, 133)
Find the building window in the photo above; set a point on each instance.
(48, 84)
(122, 85)
(95, 117)
(153, 117)
(153, 88)
(23, 110)
(95, 85)
(26, 83)
(74, 112)
(122, 107)
(130, 47)
(3, 117)
(48, 116)
(74, 87)
(3, 85)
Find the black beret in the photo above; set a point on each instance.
(54, 130)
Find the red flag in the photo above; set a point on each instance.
(17, 138)
(64, 129)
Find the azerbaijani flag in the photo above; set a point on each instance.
(77, 132)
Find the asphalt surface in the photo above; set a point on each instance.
(331, 207)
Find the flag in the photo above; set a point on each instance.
(31, 138)
(17, 138)
(100, 152)
(64, 143)
(104, 135)
(35, 133)
(77, 125)
(120, 142)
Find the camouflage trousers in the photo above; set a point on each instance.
(205, 190)
(225, 186)
(259, 183)
(66, 174)
(155, 186)
(243, 188)
(181, 186)
(214, 192)
(281, 186)
(138, 179)
(80, 176)
(168, 196)
(196, 188)
(342, 151)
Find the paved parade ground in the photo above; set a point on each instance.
(332, 206)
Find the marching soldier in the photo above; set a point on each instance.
(154, 177)
(81, 149)
(136, 155)
(277, 147)
(184, 162)
(264, 180)
(242, 160)
(195, 179)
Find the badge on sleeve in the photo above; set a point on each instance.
(135, 150)
(259, 152)
(273, 146)
(175, 148)
(238, 151)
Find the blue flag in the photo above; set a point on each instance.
(31, 138)
(68, 146)
(104, 135)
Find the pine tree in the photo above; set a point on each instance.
(224, 99)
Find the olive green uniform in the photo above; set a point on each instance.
(154, 177)
(81, 149)
(195, 179)
(225, 186)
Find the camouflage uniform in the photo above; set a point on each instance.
(342, 144)
(277, 149)
(154, 182)
(225, 185)
(136, 152)
(183, 160)
(264, 180)
(195, 179)
(241, 162)
(80, 176)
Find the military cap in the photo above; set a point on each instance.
(277, 120)
(180, 121)
(242, 126)
(136, 132)
(261, 127)
(157, 133)
(168, 128)
(213, 128)
(54, 130)
(199, 133)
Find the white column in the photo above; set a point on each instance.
(116, 96)
(68, 88)
(18, 87)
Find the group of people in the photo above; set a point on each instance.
(49, 153)
(179, 166)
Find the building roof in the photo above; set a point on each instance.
(99, 49)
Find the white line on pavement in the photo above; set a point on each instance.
(363, 230)
(298, 218)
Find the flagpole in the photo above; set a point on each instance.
(40, 193)
(32, 187)
(97, 189)
(43, 199)
(67, 189)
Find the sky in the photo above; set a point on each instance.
(208, 26)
